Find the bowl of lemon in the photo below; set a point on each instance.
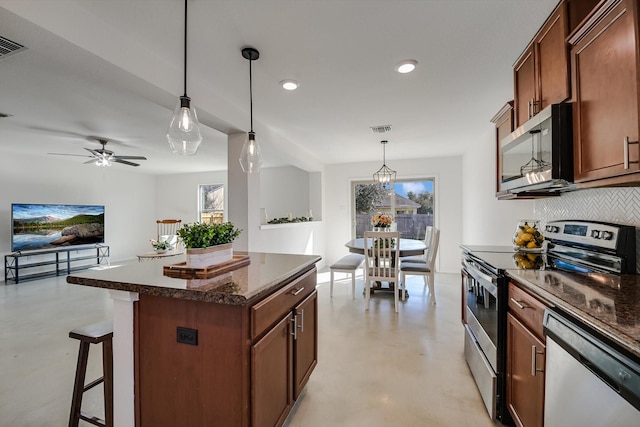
(527, 237)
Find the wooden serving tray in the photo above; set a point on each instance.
(182, 271)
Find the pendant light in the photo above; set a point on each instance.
(251, 155)
(184, 130)
(385, 176)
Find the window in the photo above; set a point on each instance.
(411, 204)
(211, 209)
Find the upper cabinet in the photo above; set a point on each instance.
(604, 61)
(541, 74)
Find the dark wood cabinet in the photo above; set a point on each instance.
(525, 374)
(503, 120)
(541, 74)
(271, 362)
(525, 357)
(604, 60)
(245, 368)
(281, 363)
(305, 345)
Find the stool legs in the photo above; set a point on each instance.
(78, 385)
(107, 371)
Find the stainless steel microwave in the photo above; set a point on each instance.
(537, 158)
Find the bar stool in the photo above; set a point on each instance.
(101, 332)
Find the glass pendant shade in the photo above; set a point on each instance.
(251, 155)
(184, 130)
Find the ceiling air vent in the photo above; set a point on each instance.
(8, 47)
(381, 129)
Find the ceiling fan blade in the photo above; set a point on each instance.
(94, 152)
(65, 154)
(89, 161)
(124, 162)
(130, 157)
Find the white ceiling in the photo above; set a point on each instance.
(113, 69)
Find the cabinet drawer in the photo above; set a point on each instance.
(527, 308)
(268, 311)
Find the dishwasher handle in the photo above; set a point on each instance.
(615, 369)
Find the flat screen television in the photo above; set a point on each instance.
(48, 226)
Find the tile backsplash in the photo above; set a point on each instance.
(617, 205)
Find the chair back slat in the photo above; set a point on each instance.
(381, 256)
(432, 250)
(168, 227)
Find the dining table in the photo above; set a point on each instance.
(407, 247)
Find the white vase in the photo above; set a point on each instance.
(211, 256)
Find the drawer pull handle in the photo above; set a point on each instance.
(294, 320)
(534, 369)
(296, 291)
(519, 304)
(301, 326)
(626, 143)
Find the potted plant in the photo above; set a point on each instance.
(161, 246)
(208, 244)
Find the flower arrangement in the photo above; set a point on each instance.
(162, 245)
(381, 220)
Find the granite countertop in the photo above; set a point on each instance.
(608, 303)
(265, 273)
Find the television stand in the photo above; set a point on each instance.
(53, 262)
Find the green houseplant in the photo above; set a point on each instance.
(208, 244)
(201, 235)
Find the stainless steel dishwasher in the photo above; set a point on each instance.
(587, 381)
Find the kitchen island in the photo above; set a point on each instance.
(236, 349)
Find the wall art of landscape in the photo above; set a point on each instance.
(52, 226)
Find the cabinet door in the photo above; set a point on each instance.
(524, 78)
(271, 363)
(525, 374)
(605, 78)
(552, 60)
(305, 342)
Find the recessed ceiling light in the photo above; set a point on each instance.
(289, 84)
(406, 66)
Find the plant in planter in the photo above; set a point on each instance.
(161, 246)
(208, 244)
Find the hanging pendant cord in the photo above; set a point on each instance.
(185, 47)
(251, 94)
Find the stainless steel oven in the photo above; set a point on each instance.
(484, 296)
(573, 246)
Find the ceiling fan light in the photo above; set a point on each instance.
(406, 66)
(184, 130)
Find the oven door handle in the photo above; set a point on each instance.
(477, 274)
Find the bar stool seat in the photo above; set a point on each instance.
(96, 333)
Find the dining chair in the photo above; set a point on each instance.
(425, 269)
(381, 261)
(168, 230)
(428, 233)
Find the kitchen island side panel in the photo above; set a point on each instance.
(203, 384)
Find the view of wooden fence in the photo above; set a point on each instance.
(409, 226)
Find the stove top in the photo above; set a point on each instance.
(575, 246)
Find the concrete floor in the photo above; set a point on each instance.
(375, 368)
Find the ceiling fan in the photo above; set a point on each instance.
(103, 157)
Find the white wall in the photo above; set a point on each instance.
(129, 197)
(177, 195)
(447, 172)
(284, 190)
(487, 220)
